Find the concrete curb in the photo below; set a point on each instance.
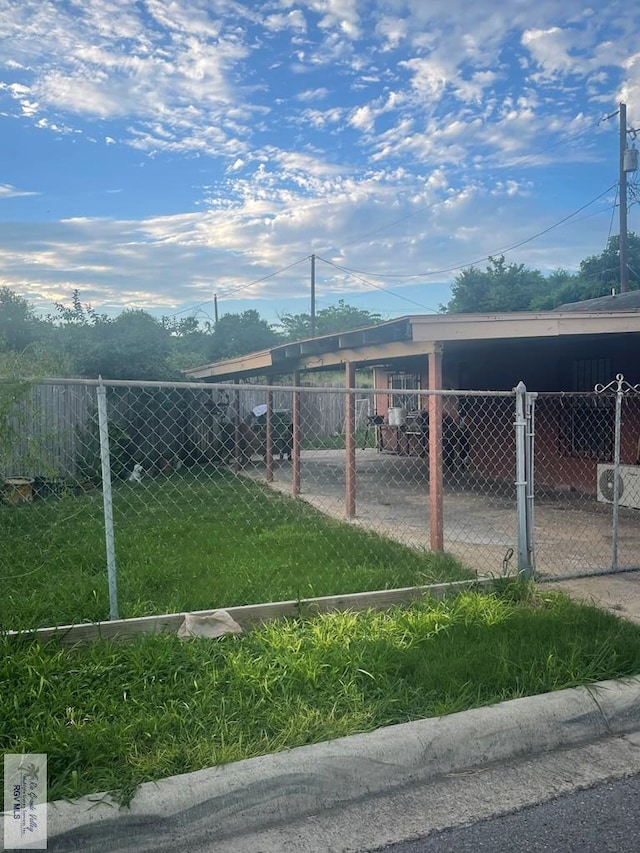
(231, 800)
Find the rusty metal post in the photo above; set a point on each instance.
(436, 467)
(295, 450)
(350, 441)
(268, 451)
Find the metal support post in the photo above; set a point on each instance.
(268, 453)
(350, 442)
(107, 498)
(295, 448)
(436, 466)
(524, 557)
(620, 387)
(530, 400)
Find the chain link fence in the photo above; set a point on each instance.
(575, 438)
(134, 499)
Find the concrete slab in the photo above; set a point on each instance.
(620, 594)
(573, 532)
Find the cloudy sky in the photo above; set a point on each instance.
(155, 152)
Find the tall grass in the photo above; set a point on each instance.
(190, 542)
(111, 716)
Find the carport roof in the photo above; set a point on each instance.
(413, 336)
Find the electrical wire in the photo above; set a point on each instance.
(465, 264)
(377, 286)
(613, 212)
(226, 293)
(513, 165)
(413, 214)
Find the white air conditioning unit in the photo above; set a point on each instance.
(629, 493)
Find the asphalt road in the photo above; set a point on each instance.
(603, 819)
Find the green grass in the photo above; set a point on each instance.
(111, 716)
(363, 438)
(190, 542)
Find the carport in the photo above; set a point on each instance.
(436, 357)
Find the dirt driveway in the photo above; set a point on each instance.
(573, 533)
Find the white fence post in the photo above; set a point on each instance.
(105, 460)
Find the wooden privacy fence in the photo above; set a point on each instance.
(42, 427)
(49, 428)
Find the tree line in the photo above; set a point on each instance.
(514, 287)
(76, 340)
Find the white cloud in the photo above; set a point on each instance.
(393, 30)
(428, 77)
(362, 118)
(293, 20)
(307, 124)
(7, 191)
(550, 50)
(313, 94)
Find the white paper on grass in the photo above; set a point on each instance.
(212, 625)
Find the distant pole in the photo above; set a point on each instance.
(215, 307)
(624, 245)
(313, 296)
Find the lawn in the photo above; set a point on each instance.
(111, 716)
(192, 541)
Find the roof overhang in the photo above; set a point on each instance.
(413, 336)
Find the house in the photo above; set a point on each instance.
(562, 355)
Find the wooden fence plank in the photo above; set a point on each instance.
(250, 615)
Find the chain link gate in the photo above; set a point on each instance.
(582, 440)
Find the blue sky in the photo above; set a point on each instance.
(153, 153)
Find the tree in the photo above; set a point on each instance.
(601, 273)
(19, 326)
(238, 334)
(500, 287)
(77, 330)
(561, 287)
(336, 318)
(133, 345)
(512, 287)
(190, 344)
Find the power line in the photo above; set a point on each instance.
(264, 277)
(493, 254)
(240, 287)
(413, 214)
(513, 165)
(613, 213)
(376, 286)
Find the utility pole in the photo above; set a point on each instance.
(215, 307)
(624, 244)
(313, 296)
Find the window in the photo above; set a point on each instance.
(589, 372)
(586, 426)
(401, 382)
(587, 420)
